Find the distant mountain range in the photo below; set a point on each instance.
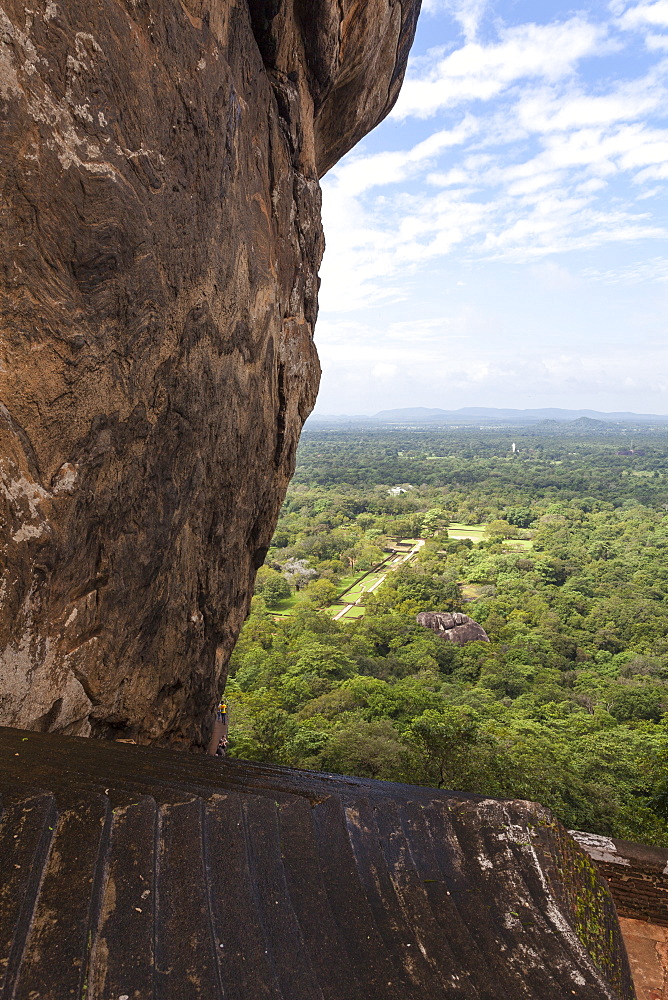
(489, 415)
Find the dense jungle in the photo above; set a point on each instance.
(553, 537)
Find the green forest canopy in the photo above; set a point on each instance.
(567, 704)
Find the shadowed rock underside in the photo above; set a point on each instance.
(160, 240)
(138, 872)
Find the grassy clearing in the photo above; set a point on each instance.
(286, 606)
(518, 544)
(364, 580)
(363, 586)
(476, 532)
(472, 591)
(354, 612)
(353, 594)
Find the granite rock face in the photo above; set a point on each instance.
(160, 240)
(455, 627)
(218, 880)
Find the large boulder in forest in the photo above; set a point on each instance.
(160, 240)
(455, 627)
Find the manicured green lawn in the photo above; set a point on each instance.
(363, 586)
(476, 532)
(354, 613)
(286, 606)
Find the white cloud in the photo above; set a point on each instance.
(384, 371)
(657, 173)
(537, 164)
(468, 13)
(537, 172)
(610, 378)
(599, 153)
(654, 270)
(361, 253)
(359, 173)
(555, 276)
(557, 109)
(479, 72)
(655, 14)
(486, 206)
(505, 253)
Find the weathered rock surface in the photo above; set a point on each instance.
(455, 627)
(204, 879)
(160, 240)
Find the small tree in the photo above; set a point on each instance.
(351, 556)
(276, 591)
(521, 517)
(321, 592)
(449, 742)
(499, 529)
(369, 556)
(271, 585)
(433, 521)
(298, 572)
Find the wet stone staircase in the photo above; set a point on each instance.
(131, 872)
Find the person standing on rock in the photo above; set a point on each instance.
(218, 741)
(222, 742)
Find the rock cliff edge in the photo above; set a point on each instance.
(160, 240)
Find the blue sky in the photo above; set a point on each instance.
(500, 239)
